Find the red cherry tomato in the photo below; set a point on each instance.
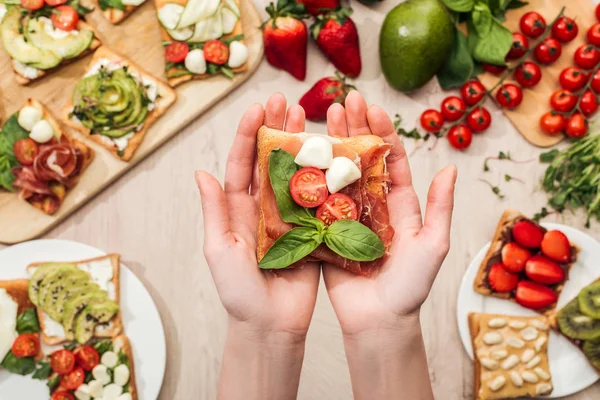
(216, 52)
(595, 84)
(453, 108)
(54, 3)
(62, 395)
(73, 379)
(593, 34)
(26, 345)
(588, 103)
(573, 78)
(552, 123)
(309, 187)
(337, 207)
(479, 119)
(548, 51)
(493, 69)
(598, 12)
(586, 56)
(432, 120)
(87, 357)
(26, 150)
(576, 126)
(176, 52)
(472, 92)
(65, 18)
(565, 29)
(509, 96)
(460, 136)
(62, 361)
(532, 24)
(528, 74)
(32, 4)
(563, 100)
(519, 47)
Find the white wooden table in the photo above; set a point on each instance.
(152, 217)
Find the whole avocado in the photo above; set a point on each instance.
(415, 39)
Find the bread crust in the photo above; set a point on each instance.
(474, 331)
(115, 16)
(18, 289)
(127, 349)
(166, 99)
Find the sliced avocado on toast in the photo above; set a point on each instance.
(55, 289)
(76, 305)
(92, 315)
(39, 275)
(66, 47)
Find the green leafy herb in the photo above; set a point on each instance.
(495, 189)
(353, 240)
(16, 365)
(53, 383)
(123, 359)
(43, 371)
(543, 213)
(103, 346)
(228, 72)
(493, 47)
(81, 10)
(27, 322)
(459, 66)
(292, 246)
(460, 5)
(413, 134)
(549, 156)
(232, 39)
(70, 345)
(11, 132)
(116, 4)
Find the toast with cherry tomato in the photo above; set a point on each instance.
(526, 263)
(118, 123)
(201, 38)
(322, 199)
(37, 158)
(40, 36)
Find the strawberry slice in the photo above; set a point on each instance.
(514, 257)
(528, 234)
(534, 295)
(502, 280)
(543, 270)
(556, 246)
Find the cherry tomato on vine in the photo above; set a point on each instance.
(595, 84)
(528, 74)
(563, 100)
(509, 96)
(548, 51)
(519, 47)
(494, 69)
(453, 108)
(593, 34)
(586, 56)
(472, 92)
(598, 12)
(532, 24)
(460, 137)
(432, 120)
(573, 78)
(565, 29)
(576, 126)
(479, 119)
(552, 123)
(588, 103)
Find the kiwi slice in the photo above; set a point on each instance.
(589, 300)
(591, 349)
(575, 324)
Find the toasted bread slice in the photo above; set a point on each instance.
(51, 334)
(115, 16)
(480, 285)
(165, 98)
(122, 343)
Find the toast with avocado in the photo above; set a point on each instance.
(116, 102)
(77, 300)
(116, 11)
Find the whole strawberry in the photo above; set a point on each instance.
(286, 37)
(316, 7)
(337, 37)
(323, 94)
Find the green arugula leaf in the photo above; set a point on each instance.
(549, 156)
(27, 322)
(494, 47)
(116, 4)
(232, 39)
(103, 346)
(459, 65)
(354, 241)
(292, 246)
(16, 365)
(459, 5)
(43, 371)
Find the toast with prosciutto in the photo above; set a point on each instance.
(322, 198)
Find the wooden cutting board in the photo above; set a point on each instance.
(138, 38)
(536, 101)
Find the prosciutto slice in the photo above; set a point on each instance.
(28, 183)
(56, 163)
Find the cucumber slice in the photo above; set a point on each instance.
(211, 28)
(229, 20)
(232, 5)
(169, 15)
(196, 11)
(216, 26)
(181, 35)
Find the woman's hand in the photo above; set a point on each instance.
(269, 313)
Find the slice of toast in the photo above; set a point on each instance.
(480, 285)
(122, 343)
(166, 97)
(115, 16)
(50, 329)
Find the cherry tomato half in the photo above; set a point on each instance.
(547, 51)
(528, 74)
(493, 69)
(479, 119)
(519, 47)
(593, 34)
(472, 92)
(65, 18)
(87, 357)
(576, 126)
(26, 345)
(565, 29)
(460, 137)
(337, 207)
(176, 52)
(432, 120)
(62, 395)
(588, 103)
(453, 108)
(32, 4)
(563, 100)
(216, 52)
(26, 150)
(509, 96)
(62, 361)
(54, 3)
(309, 187)
(573, 78)
(595, 84)
(73, 379)
(532, 24)
(552, 123)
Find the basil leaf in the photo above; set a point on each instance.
(27, 322)
(292, 246)
(11, 132)
(482, 19)
(43, 371)
(459, 65)
(354, 241)
(513, 4)
(116, 4)
(494, 47)
(16, 365)
(281, 169)
(53, 383)
(459, 5)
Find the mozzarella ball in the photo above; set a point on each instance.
(110, 359)
(28, 117)
(121, 374)
(42, 131)
(195, 62)
(342, 172)
(238, 54)
(112, 391)
(100, 373)
(315, 152)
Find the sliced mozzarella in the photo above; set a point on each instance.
(83, 392)
(229, 19)
(28, 117)
(169, 15)
(133, 2)
(125, 396)
(195, 62)
(341, 173)
(197, 10)
(315, 152)
(238, 54)
(112, 391)
(100, 373)
(42, 131)
(110, 359)
(96, 389)
(121, 374)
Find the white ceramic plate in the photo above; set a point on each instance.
(571, 372)
(141, 320)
